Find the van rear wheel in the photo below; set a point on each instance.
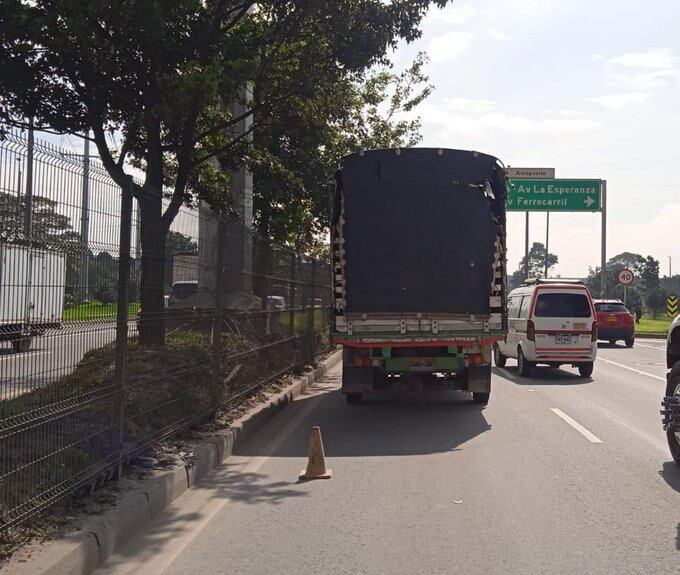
(524, 366)
(586, 369)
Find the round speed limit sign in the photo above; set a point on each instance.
(625, 277)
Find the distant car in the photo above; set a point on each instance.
(183, 295)
(671, 401)
(615, 322)
(276, 302)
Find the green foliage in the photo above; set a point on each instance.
(538, 258)
(150, 80)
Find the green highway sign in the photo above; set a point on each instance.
(554, 195)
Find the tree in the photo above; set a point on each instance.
(614, 289)
(538, 258)
(301, 150)
(655, 296)
(155, 74)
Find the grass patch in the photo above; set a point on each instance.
(95, 310)
(651, 326)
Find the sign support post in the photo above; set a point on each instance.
(547, 242)
(526, 248)
(603, 268)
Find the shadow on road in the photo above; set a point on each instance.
(387, 427)
(671, 475)
(543, 376)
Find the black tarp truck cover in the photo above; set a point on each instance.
(419, 232)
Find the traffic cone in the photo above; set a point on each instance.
(316, 464)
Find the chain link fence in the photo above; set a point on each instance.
(79, 395)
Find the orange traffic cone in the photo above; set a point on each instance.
(316, 465)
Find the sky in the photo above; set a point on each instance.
(589, 88)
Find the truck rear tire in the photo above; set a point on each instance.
(354, 398)
(22, 345)
(481, 398)
(499, 359)
(630, 342)
(673, 388)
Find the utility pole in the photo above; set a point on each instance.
(670, 267)
(85, 223)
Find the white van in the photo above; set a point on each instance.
(551, 323)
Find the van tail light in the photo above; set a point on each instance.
(531, 331)
(594, 333)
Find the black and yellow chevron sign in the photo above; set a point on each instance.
(672, 305)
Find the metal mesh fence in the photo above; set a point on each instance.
(79, 394)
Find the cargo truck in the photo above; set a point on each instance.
(32, 285)
(419, 272)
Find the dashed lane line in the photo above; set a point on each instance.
(633, 369)
(577, 426)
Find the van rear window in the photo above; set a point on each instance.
(562, 305)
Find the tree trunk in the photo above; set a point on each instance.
(153, 235)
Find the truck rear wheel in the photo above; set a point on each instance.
(481, 398)
(630, 342)
(22, 345)
(499, 359)
(673, 388)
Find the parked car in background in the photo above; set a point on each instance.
(276, 302)
(615, 322)
(671, 401)
(183, 295)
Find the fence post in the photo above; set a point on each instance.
(292, 307)
(122, 312)
(310, 313)
(218, 320)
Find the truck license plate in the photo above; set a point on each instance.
(564, 339)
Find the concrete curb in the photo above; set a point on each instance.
(81, 552)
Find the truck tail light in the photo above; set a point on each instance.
(531, 331)
(476, 359)
(594, 333)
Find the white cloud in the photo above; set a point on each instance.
(651, 69)
(476, 117)
(655, 58)
(448, 47)
(620, 100)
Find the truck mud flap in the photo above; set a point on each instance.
(671, 412)
(479, 378)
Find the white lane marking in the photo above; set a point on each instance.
(27, 354)
(634, 370)
(505, 372)
(576, 425)
(156, 558)
(649, 346)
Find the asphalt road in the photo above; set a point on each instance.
(556, 475)
(52, 356)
